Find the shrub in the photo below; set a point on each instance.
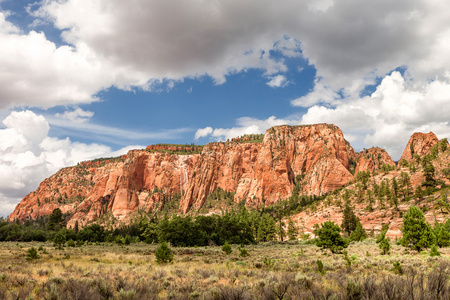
(359, 234)
(434, 251)
(397, 268)
(70, 243)
(163, 254)
(243, 252)
(385, 246)
(320, 267)
(32, 254)
(227, 248)
(268, 262)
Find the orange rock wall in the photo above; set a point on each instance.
(266, 172)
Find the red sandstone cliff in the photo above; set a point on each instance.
(139, 180)
(420, 144)
(266, 171)
(372, 160)
(258, 170)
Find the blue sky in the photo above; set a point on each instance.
(81, 79)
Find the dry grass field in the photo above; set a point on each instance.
(287, 270)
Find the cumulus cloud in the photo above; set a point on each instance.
(28, 155)
(386, 118)
(320, 94)
(203, 132)
(389, 116)
(345, 40)
(277, 81)
(116, 43)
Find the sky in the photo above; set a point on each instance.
(81, 79)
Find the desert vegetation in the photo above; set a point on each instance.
(271, 270)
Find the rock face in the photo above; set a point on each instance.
(139, 180)
(372, 160)
(258, 169)
(316, 155)
(420, 144)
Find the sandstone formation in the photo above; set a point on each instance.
(372, 160)
(420, 144)
(140, 180)
(316, 155)
(257, 169)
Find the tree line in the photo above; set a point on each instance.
(235, 227)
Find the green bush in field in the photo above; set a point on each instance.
(32, 254)
(227, 248)
(163, 254)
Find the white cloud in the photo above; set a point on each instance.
(245, 125)
(346, 40)
(115, 43)
(113, 134)
(391, 114)
(77, 115)
(387, 118)
(28, 155)
(320, 94)
(277, 81)
(203, 132)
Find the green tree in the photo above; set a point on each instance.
(442, 203)
(292, 230)
(428, 172)
(418, 194)
(364, 178)
(227, 248)
(32, 254)
(417, 233)
(59, 239)
(56, 220)
(266, 228)
(349, 220)
(76, 228)
(329, 236)
(281, 232)
(383, 242)
(163, 254)
(359, 234)
(442, 233)
(434, 251)
(443, 144)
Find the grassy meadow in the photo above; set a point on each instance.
(273, 270)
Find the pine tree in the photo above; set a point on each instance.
(56, 220)
(359, 234)
(442, 233)
(418, 194)
(281, 232)
(383, 242)
(163, 254)
(349, 220)
(76, 229)
(329, 236)
(434, 251)
(417, 233)
(292, 230)
(266, 228)
(428, 172)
